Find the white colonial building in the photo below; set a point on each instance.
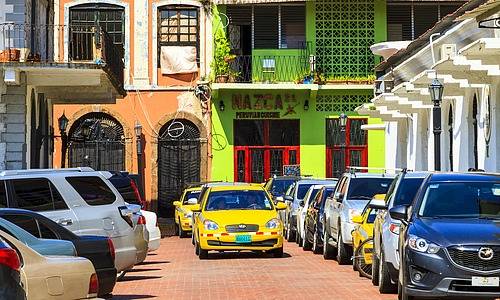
(463, 52)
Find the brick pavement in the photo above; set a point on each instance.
(175, 272)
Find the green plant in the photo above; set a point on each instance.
(222, 55)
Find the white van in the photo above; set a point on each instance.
(80, 199)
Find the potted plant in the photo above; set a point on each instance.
(10, 55)
(222, 58)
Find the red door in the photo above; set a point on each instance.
(355, 151)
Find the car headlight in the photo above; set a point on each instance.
(422, 245)
(210, 225)
(273, 224)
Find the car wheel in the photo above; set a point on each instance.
(278, 252)
(202, 254)
(176, 228)
(290, 235)
(375, 271)
(343, 257)
(182, 233)
(385, 285)
(196, 248)
(192, 238)
(328, 250)
(316, 248)
(306, 245)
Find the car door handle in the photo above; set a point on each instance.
(65, 222)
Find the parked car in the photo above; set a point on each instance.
(54, 277)
(293, 199)
(351, 195)
(449, 241)
(98, 249)
(386, 230)
(303, 207)
(10, 276)
(183, 215)
(127, 186)
(236, 218)
(362, 236)
(313, 225)
(80, 199)
(42, 246)
(278, 185)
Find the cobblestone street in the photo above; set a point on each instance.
(175, 272)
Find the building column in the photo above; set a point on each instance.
(461, 133)
(412, 142)
(141, 53)
(391, 138)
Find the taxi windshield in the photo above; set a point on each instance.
(238, 200)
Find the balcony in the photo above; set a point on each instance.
(59, 58)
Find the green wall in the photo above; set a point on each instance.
(312, 133)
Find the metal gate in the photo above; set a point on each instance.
(97, 140)
(179, 155)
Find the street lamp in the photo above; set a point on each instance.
(62, 122)
(436, 91)
(343, 124)
(138, 139)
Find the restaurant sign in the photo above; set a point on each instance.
(264, 106)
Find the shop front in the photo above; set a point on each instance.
(258, 134)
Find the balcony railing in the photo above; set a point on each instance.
(270, 68)
(76, 44)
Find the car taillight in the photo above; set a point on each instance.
(126, 215)
(93, 284)
(394, 228)
(142, 220)
(9, 258)
(137, 194)
(111, 247)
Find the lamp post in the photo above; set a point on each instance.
(436, 92)
(63, 124)
(138, 140)
(343, 124)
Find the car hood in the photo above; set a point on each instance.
(229, 217)
(446, 232)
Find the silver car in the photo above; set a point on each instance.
(351, 195)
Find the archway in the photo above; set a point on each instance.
(179, 161)
(97, 140)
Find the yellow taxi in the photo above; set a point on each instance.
(362, 236)
(183, 210)
(236, 218)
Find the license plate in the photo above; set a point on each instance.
(485, 281)
(243, 239)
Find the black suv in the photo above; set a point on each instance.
(449, 243)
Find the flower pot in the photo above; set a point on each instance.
(10, 55)
(222, 78)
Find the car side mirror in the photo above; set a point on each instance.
(302, 203)
(279, 199)
(399, 212)
(377, 204)
(192, 201)
(339, 197)
(177, 203)
(357, 219)
(281, 206)
(288, 198)
(196, 208)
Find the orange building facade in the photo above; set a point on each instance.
(166, 53)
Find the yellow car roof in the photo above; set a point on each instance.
(193, 189)
(249, 187)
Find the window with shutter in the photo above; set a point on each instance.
(266, 27)
(293, 29)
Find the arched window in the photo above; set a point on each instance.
(450, 136)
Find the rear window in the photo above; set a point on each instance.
(124, 187)
(407, 191)
(279, 187)
(92, 189)
(37, 194)
(302, 190)
(366, 188)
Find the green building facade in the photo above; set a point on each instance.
(287, 86)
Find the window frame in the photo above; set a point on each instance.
(69, 178)
(12, 196)
(178, 43)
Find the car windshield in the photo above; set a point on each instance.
(461, 200)
(238, 200)
(302, 190)
(407, 192)
(366, 188)
(279, 187)
(190, 195)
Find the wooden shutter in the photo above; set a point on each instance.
(293, 26)
(266, 27)
(399, 23)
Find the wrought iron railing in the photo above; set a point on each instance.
(270, 68)
(36, 44)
